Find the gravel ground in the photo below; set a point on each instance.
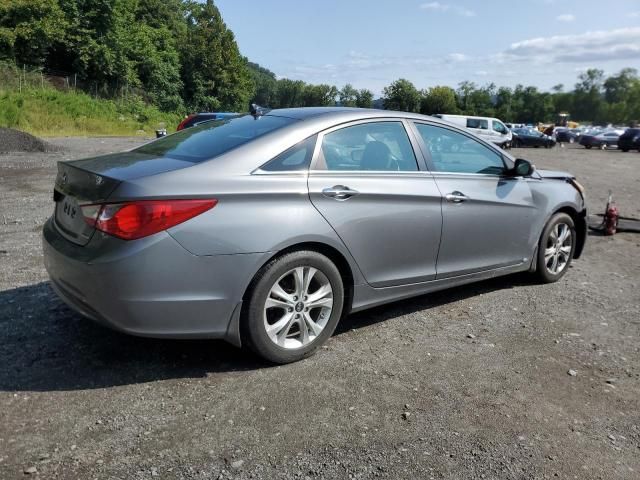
(504, 379)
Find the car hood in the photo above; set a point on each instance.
(555, 174)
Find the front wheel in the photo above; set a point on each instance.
(293, 306)
(556, 247)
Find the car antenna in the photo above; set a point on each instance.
(256, 110)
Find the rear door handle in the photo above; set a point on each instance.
(339, 192)
(456, 197)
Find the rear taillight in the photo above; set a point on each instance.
(133, 220)
(182, 124)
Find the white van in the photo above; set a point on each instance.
(487, 128)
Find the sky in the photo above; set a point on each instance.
(370, 43)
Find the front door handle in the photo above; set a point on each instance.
(456, 197)
(339, 192)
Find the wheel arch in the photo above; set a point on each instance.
(580, 221)
(332, 253)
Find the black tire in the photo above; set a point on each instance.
(252, 324)
(625, 150)
(588, 147)
(542, 272)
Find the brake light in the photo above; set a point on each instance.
(133, 220)
(182, 124)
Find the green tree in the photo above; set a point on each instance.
(28, 28)
(319, 95)
(348, 96)
(504, 104)
(588, 100)
(264, 85)
(214, 74)
(364, 98)
(401, 95)
(438, 100)
(289, 93)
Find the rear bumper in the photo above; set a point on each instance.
(149, 287)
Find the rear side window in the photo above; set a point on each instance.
(477, 123)
(374, 146)
(214, 138)
(294, 159)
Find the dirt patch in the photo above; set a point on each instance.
(16, 141)
(502, 379)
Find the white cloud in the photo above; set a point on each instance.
(634, 15)
(457, 57)
(602, 45)
(445, 7)
(567, 17)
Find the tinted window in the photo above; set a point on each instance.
(453, 152)
(214, 138)
(477, 123)
(377, 146)
(197, 119)
(295, 158)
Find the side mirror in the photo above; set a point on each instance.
(522, 168)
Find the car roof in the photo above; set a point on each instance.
(346, 114)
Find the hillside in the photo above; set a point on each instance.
(49, 112)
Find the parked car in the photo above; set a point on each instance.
(266, 230)
(529, 137)
(629, 140)
(197, 118)
(487, 128)
(567, 135)
(600, 139)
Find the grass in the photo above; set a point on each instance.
(47, 112)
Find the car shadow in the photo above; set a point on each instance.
(399, 308)
(45, 346)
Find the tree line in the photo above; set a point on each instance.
(184, 58)
(594, 98)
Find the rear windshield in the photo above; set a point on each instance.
(214, 138)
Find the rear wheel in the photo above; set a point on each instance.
(556, 247)
(588, 147)
(293, 306)
(625, 150)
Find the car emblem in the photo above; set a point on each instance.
(98, 180)
(64, 178)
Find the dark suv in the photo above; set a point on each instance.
(629, 140)
(197, 118)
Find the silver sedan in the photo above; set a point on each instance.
(266, 229)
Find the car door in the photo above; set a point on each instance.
(487, 215)
(366, 181)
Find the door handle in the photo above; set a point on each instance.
(456, 197)
(339, 192)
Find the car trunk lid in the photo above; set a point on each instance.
(93, 180)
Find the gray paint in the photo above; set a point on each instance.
(399, 235)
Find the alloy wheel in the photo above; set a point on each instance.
(558, 250)
(298, 307)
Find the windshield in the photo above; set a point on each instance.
(213, 138)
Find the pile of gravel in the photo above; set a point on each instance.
(16, 141)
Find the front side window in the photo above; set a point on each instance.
(456, 153)
(374, 146)
(478, 123)
(499, 127)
